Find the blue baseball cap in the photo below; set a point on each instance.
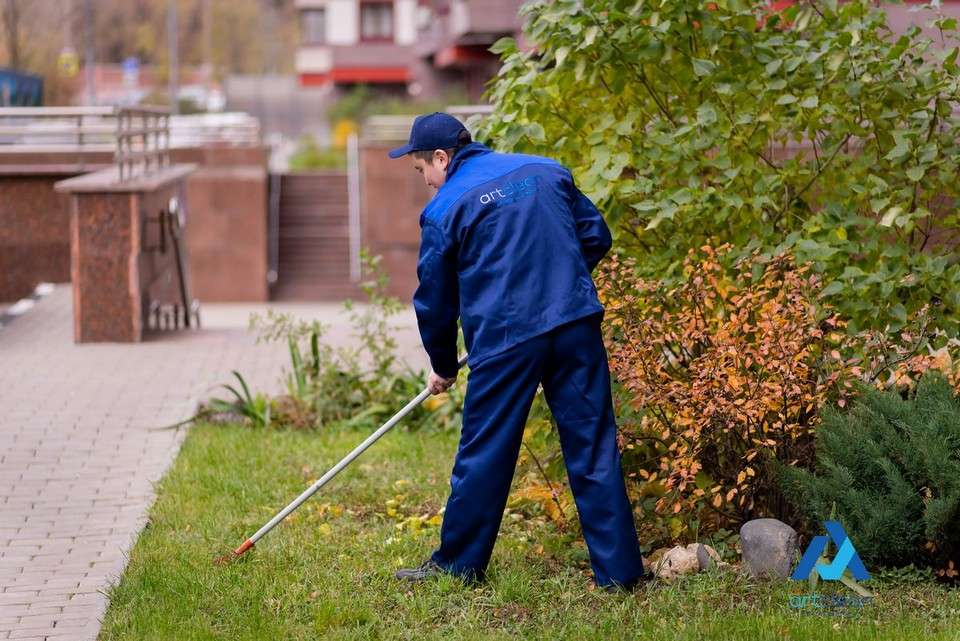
(429, 132)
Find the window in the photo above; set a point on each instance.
(376, 21)
(313, 26)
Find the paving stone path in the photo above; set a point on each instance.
(78, 457)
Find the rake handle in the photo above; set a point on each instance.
(344, 462)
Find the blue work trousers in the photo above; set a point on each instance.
(570, 361)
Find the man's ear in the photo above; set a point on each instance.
(441, 157)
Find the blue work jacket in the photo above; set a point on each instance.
(507, 246)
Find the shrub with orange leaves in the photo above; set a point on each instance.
(727, 372)
(719, 376)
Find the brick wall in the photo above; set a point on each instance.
(227, 222)
(226, 201)
(35, 220)
(392, 196)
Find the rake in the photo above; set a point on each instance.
(332, 472)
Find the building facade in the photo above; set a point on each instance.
(423, 47)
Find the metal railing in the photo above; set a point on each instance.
(470, 115)
(393, 128)
(142, 141)
(227, 128)
(273, 230)
(140, 138)
(465, 112)
(353, 206)
(53, 129)
(387, 128)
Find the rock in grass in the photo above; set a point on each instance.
(675, 562)
(668, 564)
(769, 547)
(707, 557)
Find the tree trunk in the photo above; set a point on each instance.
(11, 27)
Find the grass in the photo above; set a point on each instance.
(327, 572)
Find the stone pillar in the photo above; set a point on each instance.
(123, 258)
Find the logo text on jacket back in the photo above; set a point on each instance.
(510, 192)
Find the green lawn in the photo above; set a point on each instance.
(327, 574)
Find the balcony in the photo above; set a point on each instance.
(469, 23)
(372, 62)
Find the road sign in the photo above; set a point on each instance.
(131, 71)
(68, 62)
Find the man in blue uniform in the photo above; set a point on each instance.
(508, 244)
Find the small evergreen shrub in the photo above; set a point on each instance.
(891, 466)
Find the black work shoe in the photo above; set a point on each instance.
(427, 570)
(645, 583)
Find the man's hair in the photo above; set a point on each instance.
(463, 140)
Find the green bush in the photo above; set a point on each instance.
(682, 121)
(356, 385)
(308, 156)
(890, 468)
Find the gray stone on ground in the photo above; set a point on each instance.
(769, 547)
(707, 557)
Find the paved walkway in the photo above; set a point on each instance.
(78, 460)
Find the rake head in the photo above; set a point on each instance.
(236, 554)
